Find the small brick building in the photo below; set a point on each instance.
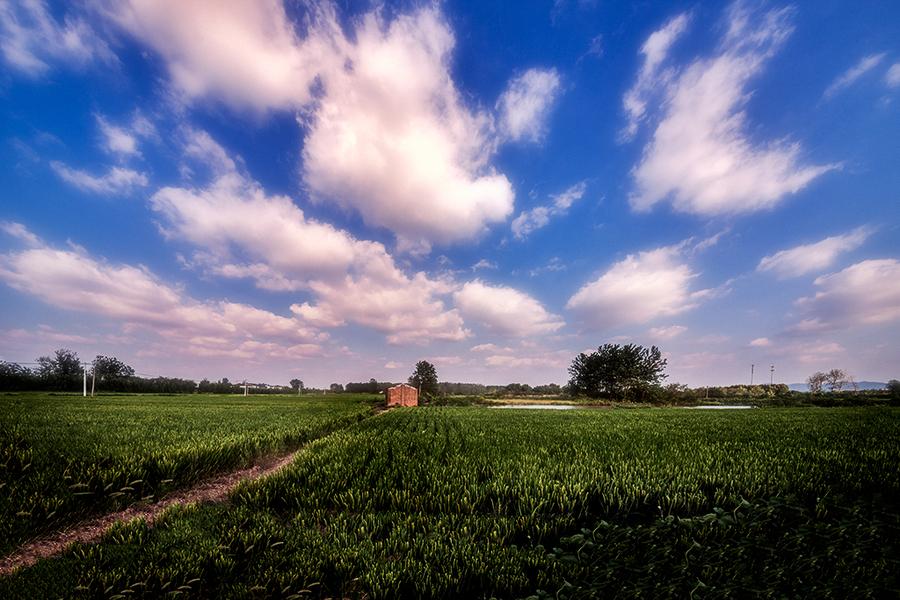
(402, 395)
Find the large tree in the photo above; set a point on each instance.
(110, 367)
(816, 381)
(616, 371)
(297, 385)
(836, 378)
(62, 365)
(425, 378)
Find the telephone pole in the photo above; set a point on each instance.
(772, 375)
(752, 367)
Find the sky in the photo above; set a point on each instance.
(265, 190)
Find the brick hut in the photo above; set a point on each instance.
(402, 395)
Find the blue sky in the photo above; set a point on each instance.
(265, 190)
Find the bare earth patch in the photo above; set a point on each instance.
(214, 489)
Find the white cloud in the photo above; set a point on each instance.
(246, 53)
(554, 265)
(387, 133)
(849, 77)
(31, 38)
(490, 348)
(667, 333)
(198, 145)
(20, 232)
(638, 289)
(760, 342)
(234, 213)
(484, 264)
(866, 293)
(892, 77)
(123, 140)
(133, 296)
(812, 257)
(243, 232)
(650, 78)
(537, 217)
(392, 139)
(117, 140)
(117, 181)
(525, 104)
(700, 156)
(504, 310)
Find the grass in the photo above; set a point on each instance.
(63, 457)
(477, 502)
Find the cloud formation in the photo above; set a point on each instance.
(504, 310)
(640, 288)
(248, 54)
(31, 39)
(524, 106)
(808, 258)
(650, 78)
(133, 296)
(242, 232)
(851, 75)
(537, 217)
(392, 139)
(701, 157)
(116, 181)
(122, 140)
(892, 77)
(387, 133)
(865, 293)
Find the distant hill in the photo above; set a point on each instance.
(863, 385)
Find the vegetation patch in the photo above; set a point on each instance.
(63, 457)
(474, 502)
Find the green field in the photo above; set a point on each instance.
(479, 502)
(63, 456)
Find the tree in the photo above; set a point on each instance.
(816, 381)
(616, 371)
(836, 378)
(63, 364)
(336, 388)
(425, 378)
(296, 385)
(110, 367)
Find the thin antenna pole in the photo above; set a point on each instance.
(772, 373)
(752, 366)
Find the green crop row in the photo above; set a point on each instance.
(476, 502)
(65, 457)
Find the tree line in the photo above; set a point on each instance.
(64, 371)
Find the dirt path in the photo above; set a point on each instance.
(215, 489)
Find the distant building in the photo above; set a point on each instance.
(402, 395)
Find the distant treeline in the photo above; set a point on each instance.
(64, 372)
(13, 377)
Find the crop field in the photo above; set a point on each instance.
(478, 502)
(63, 456)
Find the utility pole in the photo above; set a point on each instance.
(84, 369)
(752, 366)
(93, 380)
(772, 373)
